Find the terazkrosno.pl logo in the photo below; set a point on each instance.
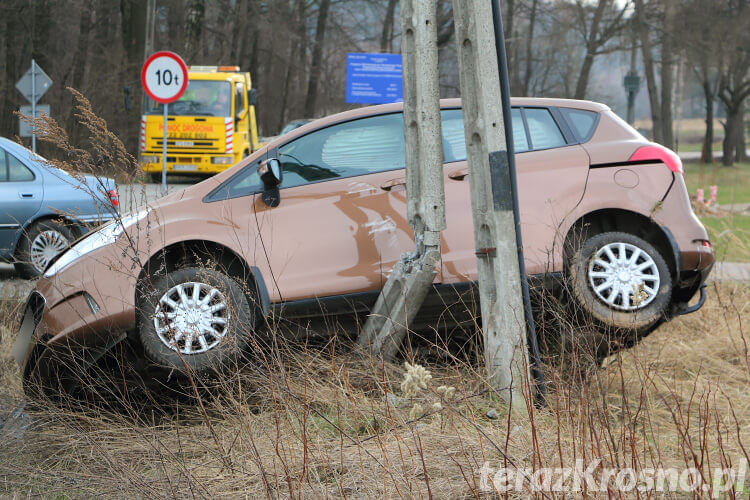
(591, 477)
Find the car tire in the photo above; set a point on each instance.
(609, 266)
(40, 242)
(175, 330)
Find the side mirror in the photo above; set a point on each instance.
(270, 173)
(252, 98)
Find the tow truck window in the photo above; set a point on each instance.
(239, 98)
(201, 98)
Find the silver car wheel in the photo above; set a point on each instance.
(45, 247)
(191, 318)
(624, 276)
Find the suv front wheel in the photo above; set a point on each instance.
(194, 318)
(622, 280)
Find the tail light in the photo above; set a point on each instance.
(114, 199)
(655, 152)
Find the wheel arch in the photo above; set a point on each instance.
(205, 252)
(616, 219)
(42, 217)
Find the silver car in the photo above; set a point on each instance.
(43, 209)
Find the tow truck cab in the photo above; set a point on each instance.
(209, 128)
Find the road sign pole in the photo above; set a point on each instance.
(164, 154)
(164, 77)
(33, 103)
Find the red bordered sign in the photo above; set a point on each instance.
(164, 77)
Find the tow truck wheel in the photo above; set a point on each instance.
(156, 178)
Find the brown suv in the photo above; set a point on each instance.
(312, 224)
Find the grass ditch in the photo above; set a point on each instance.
(313, 422)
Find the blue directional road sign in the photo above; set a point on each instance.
(374, 78)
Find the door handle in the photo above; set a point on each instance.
(387, 186)
(459, 174)
(26, 195)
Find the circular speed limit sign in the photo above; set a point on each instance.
(164, 77)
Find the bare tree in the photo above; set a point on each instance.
(607, 21)
(317, 55)
(734, 77)
(196, 13)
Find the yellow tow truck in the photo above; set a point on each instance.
(209, 129)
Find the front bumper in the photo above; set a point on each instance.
(82, 311)
(187, 164)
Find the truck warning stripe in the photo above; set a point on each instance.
(142, 139)
(229, 138)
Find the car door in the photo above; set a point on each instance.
(319, 240)
(551, 176)
(21, 192)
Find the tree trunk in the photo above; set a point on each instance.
(707, 153)
(317, 56)
(386, 35)
(133, 29)
(529, 47)
(667, 76)
(239, 32)
(80, 62)
(13, 34)
(194, 28)
(741, 143)
(295, 45)
(648, 66)
(732, 129)
(592, 45)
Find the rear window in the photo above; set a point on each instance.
(583, 122)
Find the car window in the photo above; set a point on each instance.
(454, 142)
(17, 171)
(543, 130)
(358, 147)
(582, 121)
(3, 167)
(520, 140)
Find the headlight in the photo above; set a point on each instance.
(105, 235)
(149, 159)
(222, 160)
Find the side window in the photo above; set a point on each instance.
(454, 142)
(520, 141)
(17, 171)
(583, 122)
(244, 183)
(239, 97)
(357, 147)
(3, 166)
(543, 130)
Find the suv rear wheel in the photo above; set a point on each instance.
(622, 280)
(194, 318)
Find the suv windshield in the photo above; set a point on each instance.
(201, 98)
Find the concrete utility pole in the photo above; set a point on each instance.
(412, 277)
(492, 200)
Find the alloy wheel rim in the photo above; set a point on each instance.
(191, 318)
(46, 246)
(624, 276)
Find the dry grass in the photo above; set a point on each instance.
(310, 423)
